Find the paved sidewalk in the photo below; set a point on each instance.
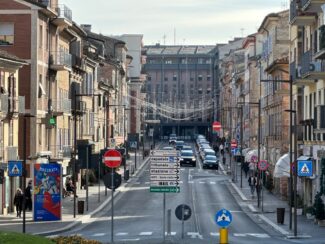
(268, 207)
(97, 200)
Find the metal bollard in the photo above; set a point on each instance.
(169, 222)
(223, 235)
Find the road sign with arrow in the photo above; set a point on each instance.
(164, 171)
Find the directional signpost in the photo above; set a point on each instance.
(164, 171)
(164, 175)
(223, 218)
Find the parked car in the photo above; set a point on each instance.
(172, 138)
(204, 146)
(207, 151)
(179, 145)
(187, 147)
(187, 157)
(210, 162)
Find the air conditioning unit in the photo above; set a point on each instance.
(315, 66)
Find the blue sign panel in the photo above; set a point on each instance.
(223, 218)
(15, 168)
(305, 168)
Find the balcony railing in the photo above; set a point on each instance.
(42, 104)
(299, 17)
(61, 151)
(61, 105)
(46, 3)
(16, 105)
(312, 5)
(60, 60)
(64, 12)
(78, 62)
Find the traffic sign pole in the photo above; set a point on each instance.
(112, 208)
(183, 210)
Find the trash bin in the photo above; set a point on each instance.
(126, 174)
(81, 206)
(280, 215)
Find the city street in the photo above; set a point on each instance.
(138, 214)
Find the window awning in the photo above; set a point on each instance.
(282, 166)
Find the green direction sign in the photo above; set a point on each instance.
(167, 189)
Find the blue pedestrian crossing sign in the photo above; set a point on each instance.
(223, 218)
(305, 168)
(15, 168)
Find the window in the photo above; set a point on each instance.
(200, 78)
(149, 78)
(40, 40)
(166, 79)
(175, 78)
(208, 77)
(6, 34)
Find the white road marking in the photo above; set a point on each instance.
(194, 235)
(202, 182)
(135, 239)
(212, 183)
(190, 182)
(145, 233)
(214, 234)
(137, 183)
(147, 183)
(259, 235)
(182, 169)
(121, 234)
(98, 234)
(171, 233)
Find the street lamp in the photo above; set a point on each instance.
(24, 169)
(75, 151)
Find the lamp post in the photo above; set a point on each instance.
(24, 169)
(75, 151)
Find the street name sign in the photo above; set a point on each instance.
(164, 171)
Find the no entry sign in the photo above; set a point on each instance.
(112, 158)
(216, 126)
(233, 144)
(263, 165)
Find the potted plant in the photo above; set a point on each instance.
(319, 209)
(310, 212)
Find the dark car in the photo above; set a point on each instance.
(210, 162)
(179, 145)
(187, 157)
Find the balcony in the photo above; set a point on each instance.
(320, 54)
(311, 70)
(16, 105)
(312, 5)
(64, 16)
(60, 152)
(78, 62)
(60, 61)
(61, 106)
(299, 17)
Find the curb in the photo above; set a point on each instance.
(240, 193)
(275, 226)
(84, 218)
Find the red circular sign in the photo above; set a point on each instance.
(233, 143)
(112, 158)
(263, 165)
(216, 126)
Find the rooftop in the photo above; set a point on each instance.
(179, 50)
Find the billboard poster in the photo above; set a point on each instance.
(47, 192)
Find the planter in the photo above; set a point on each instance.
(321, 223)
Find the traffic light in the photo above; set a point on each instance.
(2, 176)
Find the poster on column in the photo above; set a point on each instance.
(47, 192)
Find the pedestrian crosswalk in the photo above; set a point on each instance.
(191, 235)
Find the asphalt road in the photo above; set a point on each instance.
(138, 214)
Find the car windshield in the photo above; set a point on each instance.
(187, 153)
(210, 157)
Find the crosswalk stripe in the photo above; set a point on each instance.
(201, 182)
(212, 183)
(121, 234)
(190, 182)
(171, 233)
(98, 234)
(145, 233)
(214, 234)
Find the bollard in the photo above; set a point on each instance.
(223, 235)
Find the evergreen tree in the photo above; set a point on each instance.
(319, 207)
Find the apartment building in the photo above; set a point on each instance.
(307, 69)
(12, 106)
(275, 84)
(180, 86)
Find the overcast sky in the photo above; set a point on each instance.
(195, 21)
